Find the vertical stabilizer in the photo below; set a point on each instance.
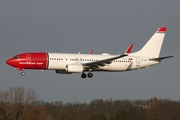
(153, 47)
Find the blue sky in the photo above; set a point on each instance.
(72, 26)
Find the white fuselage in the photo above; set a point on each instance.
(58, 61)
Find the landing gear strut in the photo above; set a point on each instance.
(23, 73)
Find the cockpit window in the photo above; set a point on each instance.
(17, 57)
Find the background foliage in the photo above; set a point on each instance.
(20, 104)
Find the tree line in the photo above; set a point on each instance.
(17, 103)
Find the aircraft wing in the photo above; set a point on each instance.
(104, 62)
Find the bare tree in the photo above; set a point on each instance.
(16, 101)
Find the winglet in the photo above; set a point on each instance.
(91, 52)
(129, 49)
(161, 30)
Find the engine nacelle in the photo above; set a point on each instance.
(74, 68)
(62, 72)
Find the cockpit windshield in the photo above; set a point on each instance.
(17, 57)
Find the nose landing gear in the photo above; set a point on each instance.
(23, 73)
(21, 69)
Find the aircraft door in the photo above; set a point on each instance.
(28, 58)
(138, 62)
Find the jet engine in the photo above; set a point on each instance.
(62, 72)
(74, 68)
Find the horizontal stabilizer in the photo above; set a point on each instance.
(161, 58)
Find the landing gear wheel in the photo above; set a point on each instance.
(90, 75)
(83, 75)
(22, 73)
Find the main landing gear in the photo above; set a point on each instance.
(90, 75)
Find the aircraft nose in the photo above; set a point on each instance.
(9, 62)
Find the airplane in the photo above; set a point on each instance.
(68, 63)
